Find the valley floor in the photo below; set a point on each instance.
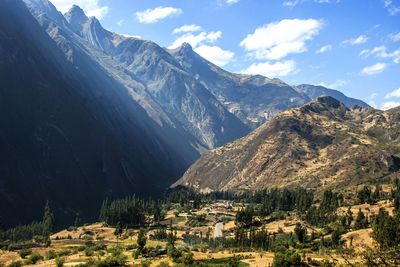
(77, 245)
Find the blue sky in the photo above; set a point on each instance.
(349, 45)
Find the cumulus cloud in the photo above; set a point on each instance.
(324, 49)
(187, 28)
(293, 3)
(371, 100)
(393, 94)
(156, 14)
(381, 52)
(335, 85)
(374, 69)
(362, 39)
(276, 40)
(215, 54)
(272, 70)
(91, 7)
(389, 105)
(391, 8)
(231, 2)
(395, 37)
(196, 39)
(202, 43)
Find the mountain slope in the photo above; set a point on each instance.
(181, 97)
(65, 137)
(254, 99)
(313, 92)
(318, 145)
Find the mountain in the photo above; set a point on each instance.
(254, 99)
(314, 91)
(185, 101)
(322, 144)
(70, 132)
(88, 114)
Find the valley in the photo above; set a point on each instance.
(117, 150)
(253, 233)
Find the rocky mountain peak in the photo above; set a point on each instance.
(186, 47)
(185, 50)
(327, 106)
(76, 17)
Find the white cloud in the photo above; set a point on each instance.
(120, 22)
(381, 52)
(335, 85)
(268, 69)
(201, 45)
(373, 96)
(215, 54)
(196, 39)
(395, 37)
(362, 39)
(276, 40)
(324, 49)
(371, 100)
(293, 3)
(391, 8)
(374, 69)
(131, 36)
(156, 14)
(91, 7)
(187, 28)
(364, 53)
(231, 2)
(393, 94)
(389, 105)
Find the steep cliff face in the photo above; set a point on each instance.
(253, 99)
(69, 133)
(178, 94)
(321, 144)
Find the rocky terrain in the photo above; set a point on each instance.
(320, 145)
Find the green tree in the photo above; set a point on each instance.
(386, 230)
(361, 220)
(289, 258)
(335, 237)
(365, 195)
(141, 240)
(301, 232)
(48, 220)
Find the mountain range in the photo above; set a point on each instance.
(320, 145)
(88, 114)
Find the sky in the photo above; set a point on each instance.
(349, 45)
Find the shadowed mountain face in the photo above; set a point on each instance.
(69, 137)
(321, 144)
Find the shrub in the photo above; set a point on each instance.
(60, 261)
(24, 252)
(51, 254)
(286, 259)
(163, 264)
(15, 264)
(34, 258)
